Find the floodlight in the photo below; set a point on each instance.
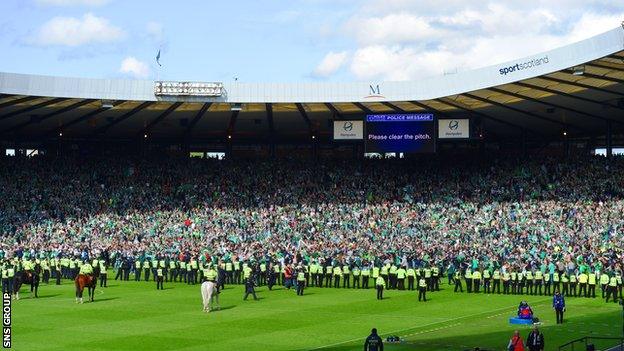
(236, 107)
(578, 70)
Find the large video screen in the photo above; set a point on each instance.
(400, 133)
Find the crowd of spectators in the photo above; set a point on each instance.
(433, 208)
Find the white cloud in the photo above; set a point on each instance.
(131, 66)
(73, 2)
(406, 39)
(71, 31)
(331, 63)
(393, 28)
(155, 31)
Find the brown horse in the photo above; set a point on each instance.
(86, 281)
(30, 277)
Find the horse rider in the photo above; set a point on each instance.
(86, 268)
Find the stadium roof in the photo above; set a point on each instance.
(577, 88)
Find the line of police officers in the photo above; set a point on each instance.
(538, 282)
(50, 268)
(326, 274)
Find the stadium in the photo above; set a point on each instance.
(501, 180)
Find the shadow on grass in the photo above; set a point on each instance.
(48, 296)
(497, 337)
(106, 299)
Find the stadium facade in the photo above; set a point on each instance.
(569, 98)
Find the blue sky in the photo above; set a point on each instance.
(287, 40)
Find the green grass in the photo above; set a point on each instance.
(135, 316)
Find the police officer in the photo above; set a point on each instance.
(7, 278)
(547, 284)
(583, 278)
(237, 271)
(604, 283)
(263, 275)
(86, 268)
(468, 277)
(162, 264)
(496, 281)
(221, 275)
(486, 281)
(373, 342)
(104, 273)
(476, 280)
(428, 278)
(392, 276)
(271, 276)
(346, 275)
(329, 271)
(457, 281)
(506, 282)
(435, 276)
(160, 278)
(612, 288)
(356, 277)
(146, 269)
(249, 288)
(529, 281)
(337, 276)
(592, 285)
(300, 281)
(365, 276)
(539, 280)
(173, 269)
(573, 284)
(137, 270)
(422, 289)
(58, 271)
(411, 276)
(380, 284)
(384, 272)
(400, 277)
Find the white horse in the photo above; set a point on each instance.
(209, 292)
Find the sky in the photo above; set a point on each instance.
(287, 40)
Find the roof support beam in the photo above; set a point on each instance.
(269, 111)
(580, 85)
(483, 115)
(603, 66)
(616, 57)
(595, 76)
(32, 108)
(232, 123)
(446, 115)
(122, 118)
(521, 96)
(394, 107)
(517, 110)
(334, 110)
(429, 108)
(158, 119)
(305, 117)
(363, 108)
(196, 119)
(76, 121)
(552, 91)
(49, 115)
(17, 101)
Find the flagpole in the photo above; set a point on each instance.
(159, 65)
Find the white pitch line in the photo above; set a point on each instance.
(419, 326)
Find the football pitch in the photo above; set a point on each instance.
(135, 316)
